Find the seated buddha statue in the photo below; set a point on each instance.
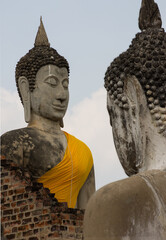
(135, 208)
(63, 163)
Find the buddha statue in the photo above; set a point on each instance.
(53, 157)
(135, 208)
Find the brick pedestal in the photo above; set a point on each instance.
(30, 212)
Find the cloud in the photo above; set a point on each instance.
(88, 121)
(12, 116)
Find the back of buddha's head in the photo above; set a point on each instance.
(40, 55)
(146, 60)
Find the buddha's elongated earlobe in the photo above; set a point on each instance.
(25, 94)
(61, 123)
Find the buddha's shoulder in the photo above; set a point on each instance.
(142, 185)
(17, 135)
(129, 204)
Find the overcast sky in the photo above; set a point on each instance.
(89, 34)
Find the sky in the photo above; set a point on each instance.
(89, 34)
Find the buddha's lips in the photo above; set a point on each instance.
(59, 107)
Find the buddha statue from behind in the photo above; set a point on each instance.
(53, 157)
(135, 208)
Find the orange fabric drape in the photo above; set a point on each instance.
(67, 177)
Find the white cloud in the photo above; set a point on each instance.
(12, 115)
(88, 121)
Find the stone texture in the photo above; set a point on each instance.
(149, 15)
(135, 208)
(128, 209)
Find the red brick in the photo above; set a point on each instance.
(4, 194)
(45, 211)
(56, 221)
(31, 206)
(63, 222)
(67, 222)
(4, 174)
(21, 203)
(45, 217)
(14, 229)
(65, 216)
(55, 234)
(27, 214)
(71, 229)
(19, 190)
(40, 224)
(28, 233)
(80, 217)
(35, 231)
(39, 205)
(8, 212)
(11, 236)
(13, 204)
(5, 219)
(26, 220)
(7, 230)
(24, 209)
(5, 206)
(13, 224)
(37, 212)
(16, 210)
(14, 217)
(23, 228)
(32, 225)
(20, 196)
(6, 180)
(5, 187)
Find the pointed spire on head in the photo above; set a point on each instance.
(41, 37)
(149, 16)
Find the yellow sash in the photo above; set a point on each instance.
(67, 177)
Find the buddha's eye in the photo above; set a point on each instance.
(65, 83)
(51, 81)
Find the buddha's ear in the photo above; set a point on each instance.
(61, 123)
(136, 96)
(138, 114)
(25, 94)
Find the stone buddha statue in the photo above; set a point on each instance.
(135, 208)
(53, 157)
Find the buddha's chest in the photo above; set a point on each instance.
(41, 153)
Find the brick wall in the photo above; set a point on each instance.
(30, 212)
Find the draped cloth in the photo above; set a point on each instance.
(67, 178)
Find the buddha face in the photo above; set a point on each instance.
(51, 95)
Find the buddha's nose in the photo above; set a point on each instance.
(61, 95)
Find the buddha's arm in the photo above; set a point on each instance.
(87, 190)
(11, 148)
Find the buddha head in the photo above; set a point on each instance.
(136, 91)
(42, 80)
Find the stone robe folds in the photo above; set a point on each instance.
(67, 178)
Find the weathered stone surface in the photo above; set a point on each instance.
(149, 15)
(135, 208)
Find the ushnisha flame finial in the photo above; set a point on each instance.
(149, 16)
(41, 37)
